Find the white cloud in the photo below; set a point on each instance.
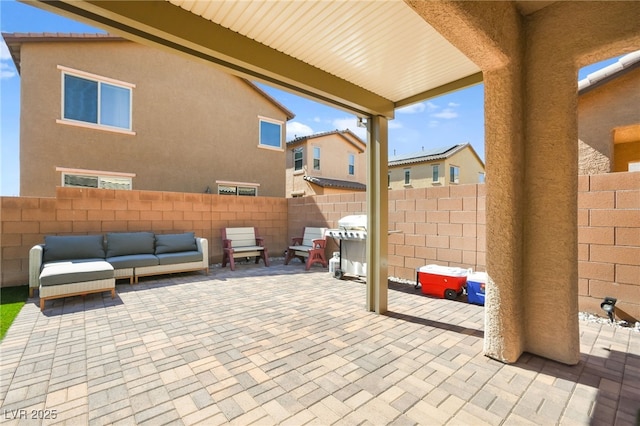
(297, 129)
(6, 69)
(345, 123)
(395, 124)
(447, 113)
(412, 109)
(431, 106)
(4, 51)
(433, 123)
(350, 123)
(453, 104)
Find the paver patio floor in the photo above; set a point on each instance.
(278, 345)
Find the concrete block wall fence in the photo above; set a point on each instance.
(444, 225)
(25, 221)
(609, 242)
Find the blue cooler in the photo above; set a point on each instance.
(476, 283)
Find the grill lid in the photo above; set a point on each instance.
(353, 222)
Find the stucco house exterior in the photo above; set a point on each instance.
(447, 165)
(101, 111)
(609, 118)
(326, 163)
(526, 53)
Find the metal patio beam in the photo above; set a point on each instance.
(163, 24)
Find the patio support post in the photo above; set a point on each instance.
(530, 115)
(377, 214)
(504, 144)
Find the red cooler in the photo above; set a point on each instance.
(445, 282)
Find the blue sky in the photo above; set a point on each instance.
(447, 120)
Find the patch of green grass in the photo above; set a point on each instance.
(12, 299)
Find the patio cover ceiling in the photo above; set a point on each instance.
(368, 57)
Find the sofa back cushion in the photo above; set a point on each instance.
(70, 247)
(127, 243)
(174, 243)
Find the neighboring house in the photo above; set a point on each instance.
(609, 118)
(100, 111)
(326, 163)
(450, 165)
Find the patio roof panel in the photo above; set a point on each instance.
(381, 46)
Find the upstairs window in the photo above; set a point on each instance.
(480, 177)
(454, 172)
(316, 158)
(436, 173)
(297, 159)
(95, 101)
(270, 133)
(352, 164)
(407, 176)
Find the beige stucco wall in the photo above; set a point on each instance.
(601, 110)
(422, 173)
(194, 124)
(530, 69)
(469, 164)
(334, 163)
(558, 44)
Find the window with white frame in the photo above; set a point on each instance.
(239, 189)
(90, 180)
(270, 133)
(352, 164)
(480, 177)
(297, 158)
(407, 176)
(95, 101)
(454, 174)
(316, 158)
(435, 173)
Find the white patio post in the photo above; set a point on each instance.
(377, 214)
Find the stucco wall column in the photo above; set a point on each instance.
(531, 154)
(557, 47)
(551, 231)
(377, 214)
(551, 208)
(504, 153)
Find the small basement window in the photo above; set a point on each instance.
(91, 179)
(238, 189)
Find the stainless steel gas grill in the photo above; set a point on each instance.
(352, 236)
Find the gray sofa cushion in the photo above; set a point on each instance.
(175, 243)
(132, 261)
(128, 243)
(182, 257)
(68, 272)
(71, 247)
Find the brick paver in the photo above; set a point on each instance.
(279, 345)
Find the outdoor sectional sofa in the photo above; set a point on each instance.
(82, 264)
